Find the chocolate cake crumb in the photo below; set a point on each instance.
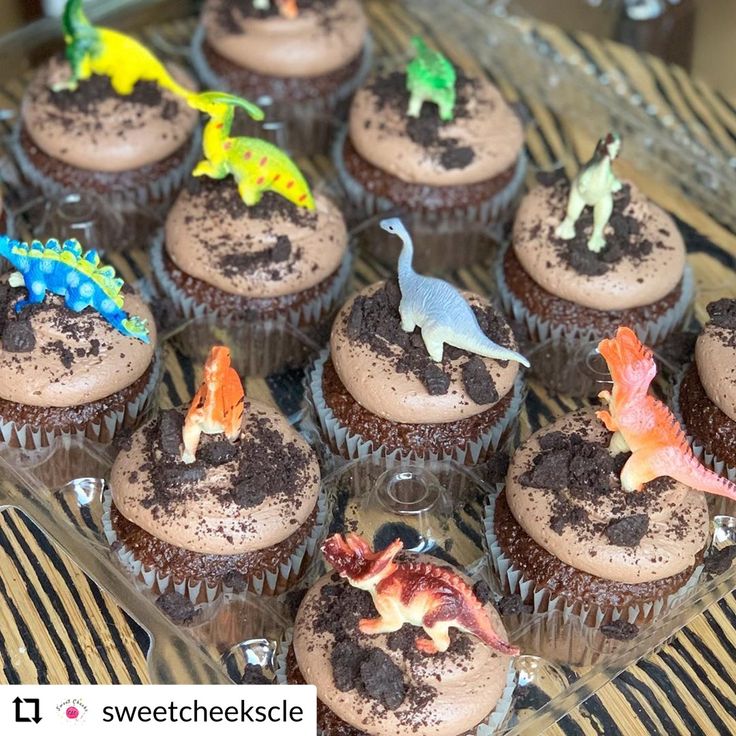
(628, 530)
(510, 605)
(170, 424)
(18, 337)
(177, 607)
(722, 313)
(236, 581)
(478, 382)
(620, 630)
(382, 680)
(254, 675)
(346, 658)
(217, 453)
(718, 561)
(482, 591)
(436, 381)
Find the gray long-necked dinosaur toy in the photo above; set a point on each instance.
(439, 309)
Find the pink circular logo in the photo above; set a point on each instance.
(72, 712)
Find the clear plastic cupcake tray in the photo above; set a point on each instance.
(435, 508)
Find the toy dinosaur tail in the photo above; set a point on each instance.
(630, 363)
(684, 467)
(216, 104)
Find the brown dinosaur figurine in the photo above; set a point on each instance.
(421, 594)
(218, 405)
(645, 426)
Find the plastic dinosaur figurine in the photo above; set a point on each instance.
(420, 594)
(439, 309)
(69, 271)
(218, 405)
(287, 8)
(430, 77)
(645, 426)
(594, 186)
(94, 50)
(258, 166)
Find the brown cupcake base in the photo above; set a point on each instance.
(711, 428)
(579, 590)
(215, 571)
(88, 420)
(265, 335)
(419, 440)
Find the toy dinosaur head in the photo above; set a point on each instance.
(218, 103)
(353, 558)
(609, 146)
(630, 363)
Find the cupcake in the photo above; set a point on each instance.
(301, 61)
(446, 151)
(363, 637)
(265, 261)
(602, 515)
(706, 397)
(576, 269)
(122, 133)
(222, 496)
(417, 370)
(83, 342)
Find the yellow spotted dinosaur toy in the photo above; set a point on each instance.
(93, 50)
(257, 165)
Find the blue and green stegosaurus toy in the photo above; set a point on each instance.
(73, 273)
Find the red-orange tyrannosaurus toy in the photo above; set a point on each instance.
(643, 425)
(217, 407)
(421, 594)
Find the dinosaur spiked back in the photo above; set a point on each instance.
(78, 275)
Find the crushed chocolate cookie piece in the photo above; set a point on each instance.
(482, 591)
(355, 322)
(620, 630)
(254, 675)
(177, 607)
(282, 250)
(217, 453)
(510, 605)
(236, 581)
(722, 313)
(247, 496)
(479, 382)
(628, 530)
(393, 293)
(346, 659)
(568, 515)
(457, 157)
(496, 467)
(393, 530)
(18, 337)
(718, 561)
(293, 599)
(98, 88)
(180, 473)
(436, 381)
(382, 679)
(170, 425)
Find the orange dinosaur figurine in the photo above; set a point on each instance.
(421, 594)
(643, 425)
(289, 9)
(217, 407)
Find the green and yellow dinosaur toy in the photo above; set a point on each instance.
(430, 77)
(257, 165)
(94, 50)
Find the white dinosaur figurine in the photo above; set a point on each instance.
(439, 309)
(594, 186)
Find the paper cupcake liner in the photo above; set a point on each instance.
(143, 207)
(513, 581)
(267, 583)
(567, 349)
(304, 127)
(102, 429)
(259, 347)
(444, 238)
(491, 725)
(352, 446)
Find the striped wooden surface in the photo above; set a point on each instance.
(56, 626)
